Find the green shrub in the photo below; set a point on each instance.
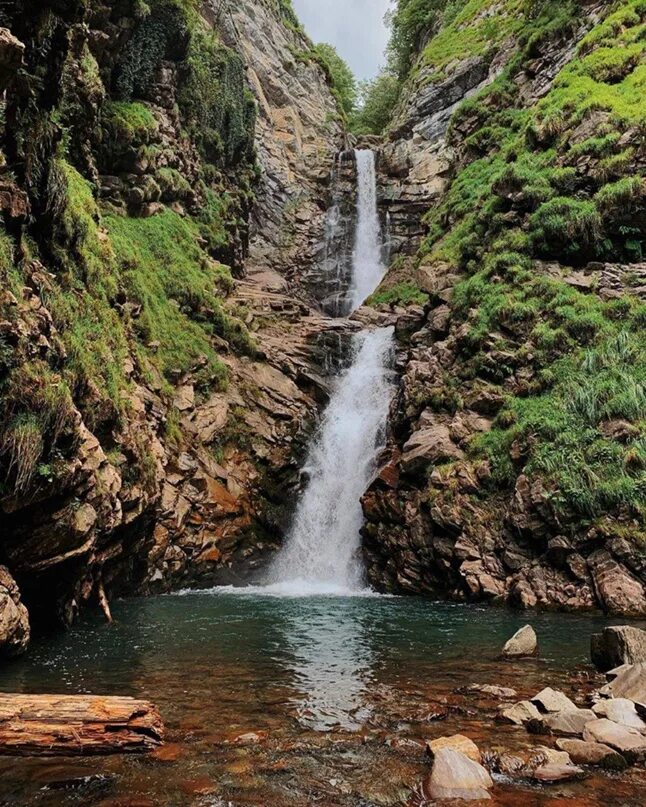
(402, 294)
(566, 224)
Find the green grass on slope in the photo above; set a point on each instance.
(554, 181)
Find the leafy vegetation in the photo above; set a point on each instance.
(219, 109)
(377, 100)
(342, 78)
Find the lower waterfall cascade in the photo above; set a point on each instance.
(321, 551)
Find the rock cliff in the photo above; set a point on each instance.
(154, 399)
(516, 469)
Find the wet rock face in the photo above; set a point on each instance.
(298, 136)
(14, 619)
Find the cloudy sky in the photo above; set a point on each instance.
(355, 27)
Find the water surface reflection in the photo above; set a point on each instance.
(317, 685)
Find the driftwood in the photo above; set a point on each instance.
(64, 725)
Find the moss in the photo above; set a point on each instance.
(130, 122)
(401, 294)
(561, 435)
(37, 407)
(473, 32)
(179, 289)
(620, 196)
(527, 188)
(565, 225)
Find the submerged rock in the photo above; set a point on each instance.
(523, 644)
(554, 772)
(490, 689)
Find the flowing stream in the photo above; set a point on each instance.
(322, 550)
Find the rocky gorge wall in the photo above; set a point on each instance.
(516, 469)
(154, 399)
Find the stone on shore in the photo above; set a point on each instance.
(562, 724)
(455, 776)
(554, 772)
(523, 644)
(629, 742)
(458, 742)
(618, 645)
(620, 710)
(631, 684)
(551, 700)
(595, 754)
(519, 713)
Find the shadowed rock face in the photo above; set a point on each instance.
(212, 494)
(14, 619)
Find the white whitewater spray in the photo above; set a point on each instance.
(367, 266)
(321, 554)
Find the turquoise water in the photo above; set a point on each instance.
(301, 672)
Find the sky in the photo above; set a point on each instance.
(355, 27)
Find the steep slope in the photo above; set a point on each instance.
(152, 405)
(517, 467)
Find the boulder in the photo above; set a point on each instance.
(616, 646)
(522, 644)
(562, 724)
(629, 742)
(618, 591)
(595, 754)
(458, 742)
(519, 714)
(455, 776)
(630, 683)
(551, 700)
(14, 618)
(429, 445)
(620, 710)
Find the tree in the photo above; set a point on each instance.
(411, 22)
(378, 99)
(342, 78)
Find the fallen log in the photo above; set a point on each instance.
(77, 725)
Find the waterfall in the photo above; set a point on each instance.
(367, 266)
(322, 550)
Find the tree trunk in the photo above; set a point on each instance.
(63, 725)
